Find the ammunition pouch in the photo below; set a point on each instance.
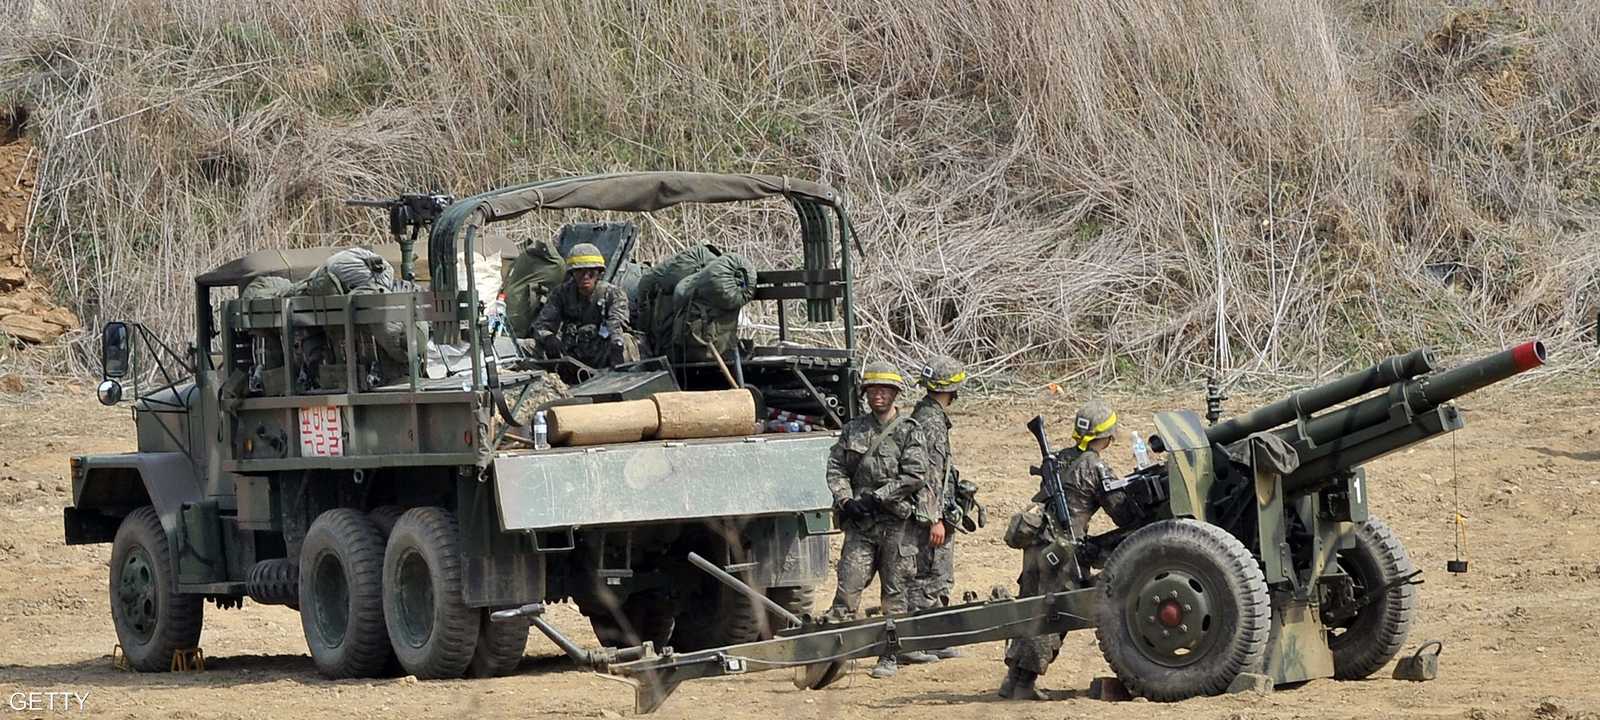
(1026, 528)
(962, 509)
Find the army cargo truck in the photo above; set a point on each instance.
(308, 450)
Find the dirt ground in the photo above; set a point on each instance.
(1518, 630)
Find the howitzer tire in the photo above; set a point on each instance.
(1186, 611)
(341, 595)
(500, 646)
(433, 631)
(152, 619)
(1363, 644)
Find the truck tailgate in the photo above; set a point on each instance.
(663, 481)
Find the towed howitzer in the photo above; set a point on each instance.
(409, 210)
(1249, 549)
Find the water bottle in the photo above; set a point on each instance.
(1141, 452)
(496, 314)
(541, 432)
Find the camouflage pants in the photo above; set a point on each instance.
(887, 548)
(1038, 578)
(587, 346)
(936, 573)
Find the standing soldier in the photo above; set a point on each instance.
(586, 318)
(1086, 472)
(875, 470)
(941, 377)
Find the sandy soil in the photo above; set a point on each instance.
(1518, 630)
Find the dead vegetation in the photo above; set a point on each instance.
(1127, 189)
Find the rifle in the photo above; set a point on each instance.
(409, 210)
(1056, 512)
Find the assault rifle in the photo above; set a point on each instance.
(1056, 512)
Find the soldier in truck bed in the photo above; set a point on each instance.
(586, 318)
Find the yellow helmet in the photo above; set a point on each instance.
(879, 372)
(1095, 420)
(585, 255)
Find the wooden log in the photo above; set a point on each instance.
(601, 423)
(716, 413)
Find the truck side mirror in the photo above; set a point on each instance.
(115, 347)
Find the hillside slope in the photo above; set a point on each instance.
(1134, 189)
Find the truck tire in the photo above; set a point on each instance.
(341, 595)
(1211, 620)
(649, 615)
(385, 516)
(500, 646)
(799, 600)
(152, 620)
(716, 617)
(433, 631)
(1365, 643)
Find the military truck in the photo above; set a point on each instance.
(386, 507)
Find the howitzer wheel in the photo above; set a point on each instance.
(1186, 610)
(341, 595)
(151, 620)
(433, 631)
(1364, 643)
(643, 616)
(500, 646)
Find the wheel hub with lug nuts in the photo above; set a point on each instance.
(1171, 617)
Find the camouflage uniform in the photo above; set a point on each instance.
(883, 543)
(1083, 479)
(593, 331)
(935, 565)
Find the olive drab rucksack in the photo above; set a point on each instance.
(536, 272)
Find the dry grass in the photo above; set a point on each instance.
(1138, 190)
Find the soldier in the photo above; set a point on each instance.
(942, 378)
(874, 472)
(586, 318)
(1086, 472)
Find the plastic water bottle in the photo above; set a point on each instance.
(541, 432)
(496, 314)
(1141, 452)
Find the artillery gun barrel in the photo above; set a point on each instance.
(1386, 372)
(1340, 440)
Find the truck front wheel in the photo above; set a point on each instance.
(152, 619)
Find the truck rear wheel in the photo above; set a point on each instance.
(500, 646)
(1364, 643)
(717, 616)
(648, 616)
(799, 600)
(433, 631)
(153, 621)
(1186, 610)
(341, 595)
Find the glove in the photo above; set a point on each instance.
(852, 508)
(551, 346)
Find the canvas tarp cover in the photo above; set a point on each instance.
(296, 265)
(645, 192)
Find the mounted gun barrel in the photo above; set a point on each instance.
(1387, 372)
(1408, 413)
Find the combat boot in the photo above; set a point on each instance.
(1019, 685)
(885, 669)
(916, 657)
